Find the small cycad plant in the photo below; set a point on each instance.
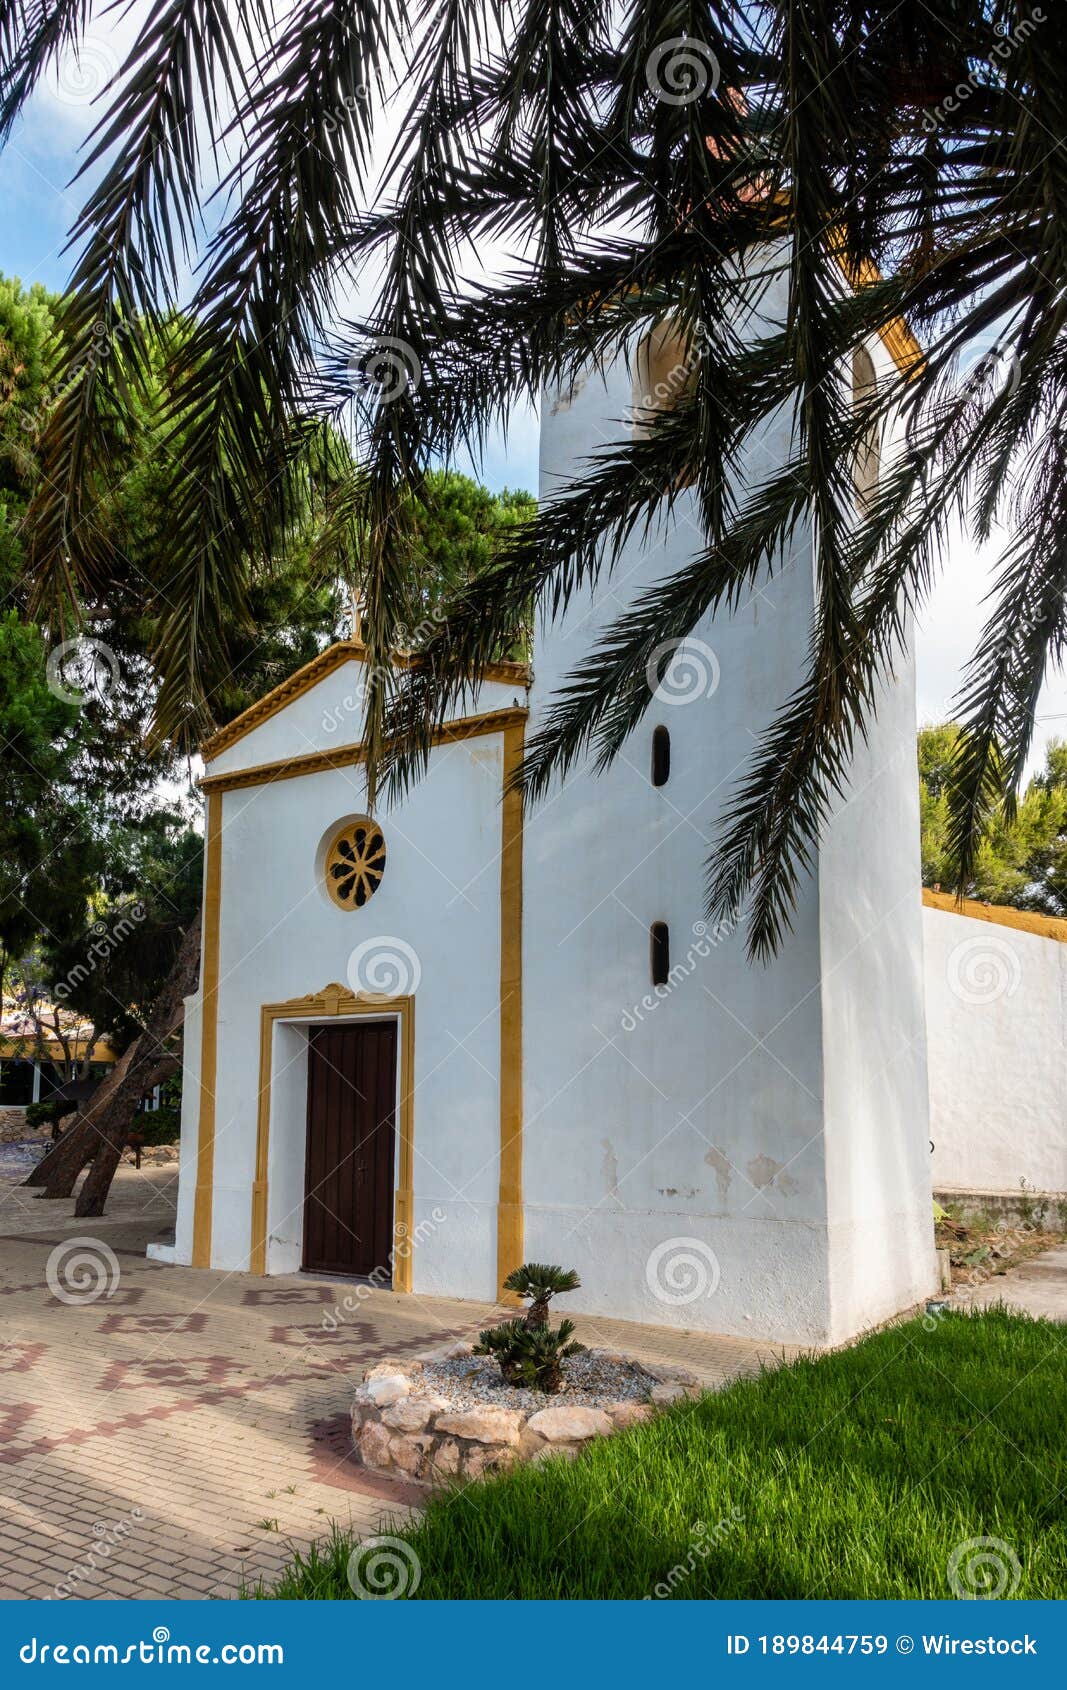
(540, 1282)
(532, 1356)
(528, 1351)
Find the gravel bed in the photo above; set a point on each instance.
(589, 1380)
(21, 1157)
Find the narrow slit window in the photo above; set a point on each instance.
(868, 458)
(661, 756)
(661, 953)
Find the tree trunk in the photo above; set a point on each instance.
(85, 1137)
(59, 1169)
(110, 1131)
(99, 1133)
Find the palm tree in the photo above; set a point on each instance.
(641, 162)
(540, 1282)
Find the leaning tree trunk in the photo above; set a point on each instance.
(59, 1169)
(99, 1134)
(111, 1136)
(87, 1134)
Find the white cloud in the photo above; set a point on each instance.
(950, 629)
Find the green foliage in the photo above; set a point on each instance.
(457, 530)
(49, 853)
(540, 1282)
(293, 595)
(28, 341)
(110, 963)
(1022, 856)
(849, 1476)
(853, 151)
(531, 1356)
(529, 1351)
(158, 1126)
(47, 1112)
(75, 778)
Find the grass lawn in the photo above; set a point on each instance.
(850, 1475)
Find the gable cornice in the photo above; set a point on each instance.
(302, 680)
(347, 756)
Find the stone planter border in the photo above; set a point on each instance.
(431, 1440)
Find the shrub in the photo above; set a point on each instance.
(528, 1350)
(530, 1355)
(540, 1281)
(157, 1126)
(48, 1112)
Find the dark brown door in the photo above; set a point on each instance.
(348, 1203)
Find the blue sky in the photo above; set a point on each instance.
(35, 211)
(37, 206)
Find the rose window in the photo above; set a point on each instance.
(355, 863)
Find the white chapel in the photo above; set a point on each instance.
(432, 1043)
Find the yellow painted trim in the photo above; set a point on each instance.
(509, 1224)
(1001, 915)
(335, 1000)
(209, 996)
(354, 860)
(302, 680)
(895, 336)
(348, 756)
(26, 1047)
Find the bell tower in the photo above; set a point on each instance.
(714, 1143)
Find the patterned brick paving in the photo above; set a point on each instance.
(174, 1432)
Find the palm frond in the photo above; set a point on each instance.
(815, 144)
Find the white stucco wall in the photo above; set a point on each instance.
(745, 1154)
(876, 1092)
(876, 1095)
(282, 938)
(996, 1009)
(745, 1151)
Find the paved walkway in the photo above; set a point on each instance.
(174, 1432)
(1037, 1287)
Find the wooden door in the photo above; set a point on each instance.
(348, 1202)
